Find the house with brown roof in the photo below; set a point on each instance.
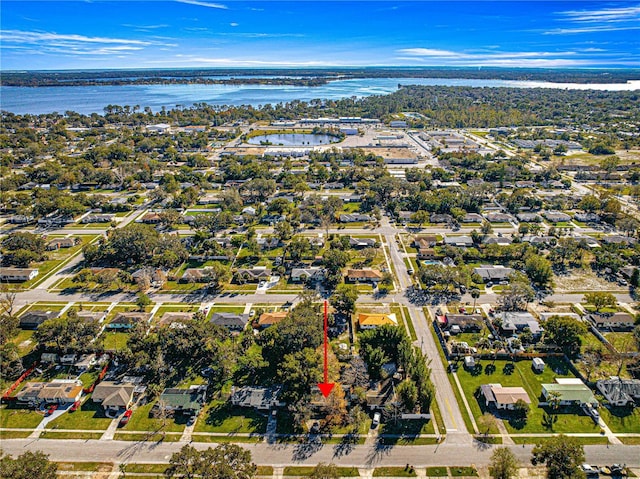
(364, 275)
(60, 243)
(269, 319)
(252, 275)
(59, 391)
(151, 219)
(113, 396)
(127, 320)
(501, 397)
(17, 275)
(614, 322)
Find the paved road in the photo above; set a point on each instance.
(306, 454)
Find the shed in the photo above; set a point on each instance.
(469, 362)
(537, 364)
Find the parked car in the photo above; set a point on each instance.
(52, 409)
(376, 420)
(74, 406)
(125, 418)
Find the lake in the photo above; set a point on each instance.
(293, 139)
(93, 99)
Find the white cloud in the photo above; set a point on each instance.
(603, 15)
(429, 52)
(73, 44)
(200, 3)
(234, 24)
(190, 60)
(35, 37)
(592, 29)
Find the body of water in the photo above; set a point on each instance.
(93, 99)
(293, 139)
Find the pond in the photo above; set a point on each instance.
(293, 139)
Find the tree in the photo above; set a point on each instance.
(408, 394)
(565, 332)
(475, 294)
(8, 319)
(504, 464)
(344, 299)
(600, 299)
(486, 423)
(516, 294)
(143, 301)
(226, 461)
(562, 455)
(539, 270)
(325, 471)
(28, 466)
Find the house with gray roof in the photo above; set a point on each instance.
(620, 392)
(257, 397)
(514, 322)
(494, 273)
(230, 321)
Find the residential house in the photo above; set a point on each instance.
(113, 395)
(614, 322)
(619, 239)
(151, 218)
(380, 394)
(620, 392)
(91, 316)
(310, 274)
(499, 240)
(587, 217)
(440, 218)
(354, 218)
(230, 321)
(59, 243)
(472, 218)
(59, 391)
(529, 217)
(362, 242)
(35, 317)
(459, 241)
(17, 274)
(252, 275)
(269, 319)
(196, 275)
(463, 322)
(501, 397)
(498, 217)
(155, 276)
(126, 321)
(257, 397)
(268, 242)
(375, 320)
(516, 322)
(185, 401)
(494, 274)
(570, 391)
(97, 219)
(556, 216)
(364, 275)
(425, 241)
(427, 254)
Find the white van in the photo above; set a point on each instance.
(376, 420)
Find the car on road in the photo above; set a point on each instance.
(125, 418)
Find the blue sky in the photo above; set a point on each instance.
(207, 33)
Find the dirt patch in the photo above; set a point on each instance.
(578, 281)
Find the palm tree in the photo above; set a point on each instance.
(475, 294)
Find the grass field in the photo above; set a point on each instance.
(89, 416)
(140, 421)
(569, 420)
(19, 418)
(621, 419)
(222, 417)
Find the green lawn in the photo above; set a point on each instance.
(437, 471)
(623, 342)
(115, 341)
(89, 416)
(621, 419)
(140, 421)
(48, 434)
(394, 472)
(408, 428)
(19, 418)
(222, 417)
(569, 420)
(308, 470)
(458, 471)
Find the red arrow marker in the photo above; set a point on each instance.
(325, 387)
